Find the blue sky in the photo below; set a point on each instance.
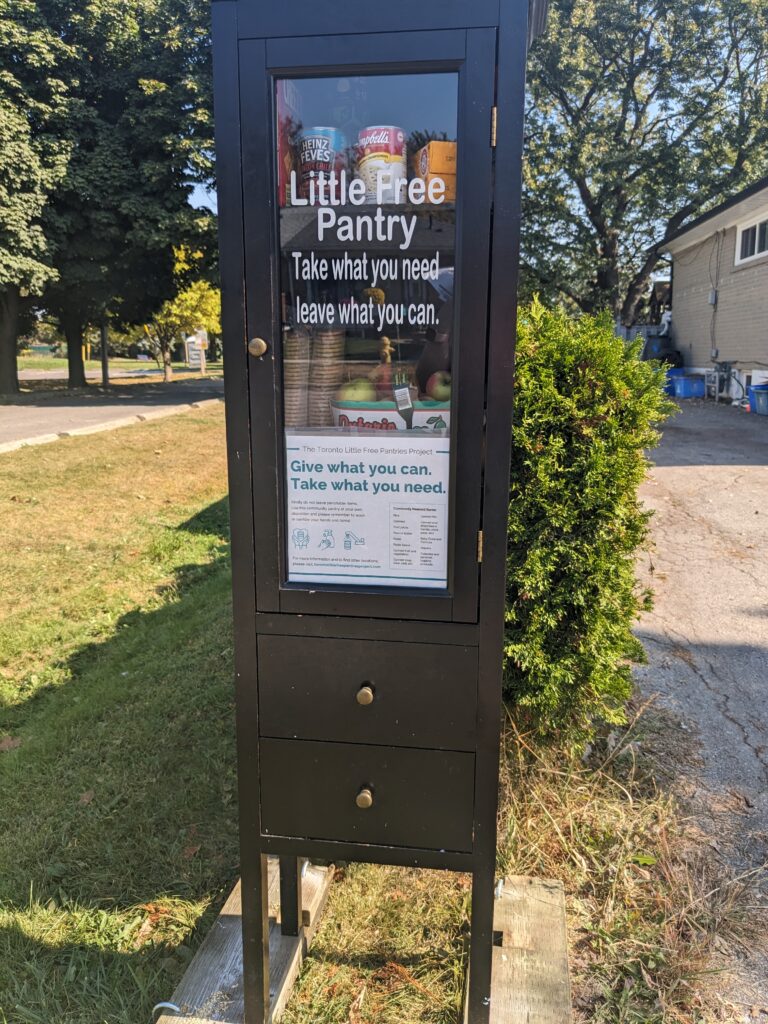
(201, 196)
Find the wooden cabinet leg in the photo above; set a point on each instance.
(290, 895)
(481, 948)
(255, 909)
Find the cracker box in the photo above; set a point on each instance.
(450, 185)
(436, 158)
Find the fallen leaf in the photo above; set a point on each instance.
(189, 851)
(144, 933)
(9, 743)
(356, 1006)
(87, 797)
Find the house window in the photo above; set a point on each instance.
(752, 240)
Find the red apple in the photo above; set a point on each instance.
(382, 378)
(439, 386)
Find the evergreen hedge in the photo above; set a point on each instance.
(586, 408)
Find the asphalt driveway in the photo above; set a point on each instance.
(707, 637)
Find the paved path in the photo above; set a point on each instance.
(114, 374)
(44, 417)
(707, 637)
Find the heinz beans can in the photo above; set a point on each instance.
(320, 149)
(381, 150)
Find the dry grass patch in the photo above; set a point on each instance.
(648, 910)
(391, 949)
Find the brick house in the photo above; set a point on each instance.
(720, 287)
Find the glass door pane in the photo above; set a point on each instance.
(366, 190)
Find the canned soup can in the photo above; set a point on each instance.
(381, 148)
(320, 149)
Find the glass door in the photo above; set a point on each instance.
(378, 332)
(366, 178)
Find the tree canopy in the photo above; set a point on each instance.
(33, 159)
(641, 114)
(141, 118)
(195, 306)
(106, 124)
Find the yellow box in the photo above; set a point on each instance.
(449, 196)
(436, 158)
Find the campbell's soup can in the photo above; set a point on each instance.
(319, 149)
(381, 149)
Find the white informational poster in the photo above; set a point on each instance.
(368, 509)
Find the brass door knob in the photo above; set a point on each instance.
(257, 347)
(364, 695)
(364, 799)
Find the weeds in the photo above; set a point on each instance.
(391, 948)
(646, 910)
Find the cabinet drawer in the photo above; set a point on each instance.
(420, 798)
(424, 695)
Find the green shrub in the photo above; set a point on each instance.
(586, 407)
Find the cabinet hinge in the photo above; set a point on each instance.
(479, 546)
(493, 126)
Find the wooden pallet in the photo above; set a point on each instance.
(530, 983)
(211, 990)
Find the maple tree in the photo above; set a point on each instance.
(642, 114)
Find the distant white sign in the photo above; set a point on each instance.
(195, 346)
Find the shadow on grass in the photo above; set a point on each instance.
(119, 809)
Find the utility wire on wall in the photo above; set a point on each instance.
(715, 264)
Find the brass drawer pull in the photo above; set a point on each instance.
(364, 799)
(364, 695)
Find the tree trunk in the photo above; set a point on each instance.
(73, 332)
(9, 331)
(608, 278)
(637, 288)
(104, 335)
(167, 368)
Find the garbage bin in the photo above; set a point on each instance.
(758, 399)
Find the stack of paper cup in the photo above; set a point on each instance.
(326, 373)
(295, 377)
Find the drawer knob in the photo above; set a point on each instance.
(364, 695)
(364, 799)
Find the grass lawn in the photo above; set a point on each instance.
(118, 791)
(118, 788)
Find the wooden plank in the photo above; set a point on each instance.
(211, 990)
(530, 982)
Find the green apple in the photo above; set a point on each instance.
(358, 390)
(439, 386)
